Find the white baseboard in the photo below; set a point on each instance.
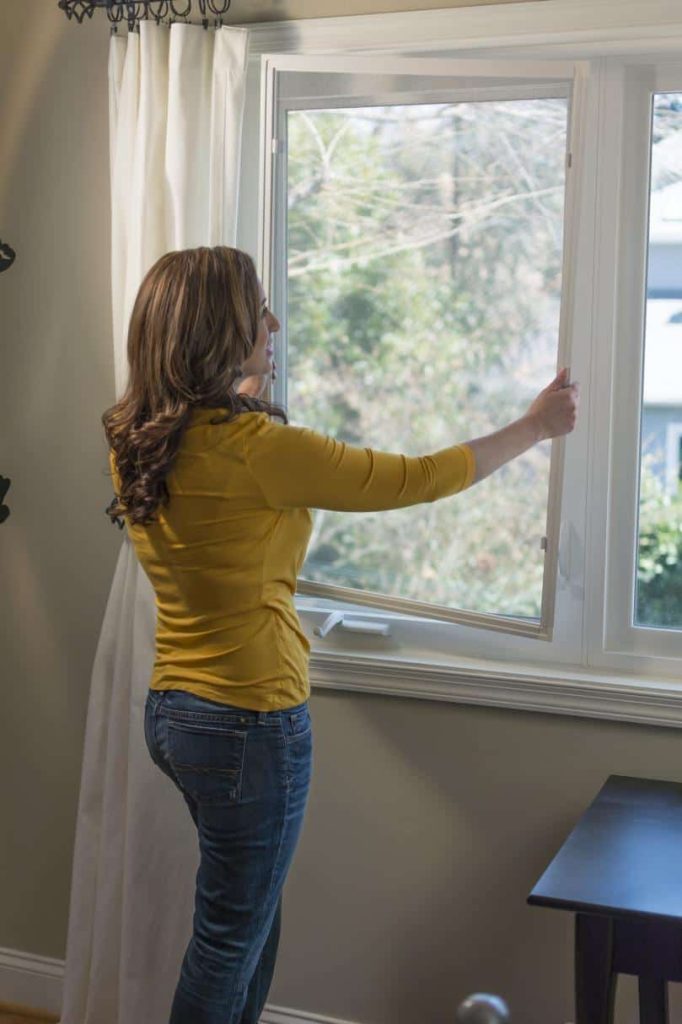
(36, 982)
(282, 1015)
(31, 981)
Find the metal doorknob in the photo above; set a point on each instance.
(481, 1008)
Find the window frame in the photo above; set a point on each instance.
(462, 628)
(574, 681)
(614, 641)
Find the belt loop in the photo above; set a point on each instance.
(262, 717)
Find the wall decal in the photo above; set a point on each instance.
(4, 487)
(116, 521)
(7, 256)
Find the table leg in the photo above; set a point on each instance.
(653, 1000)
(595, 978)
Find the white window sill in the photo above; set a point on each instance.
(587, 694)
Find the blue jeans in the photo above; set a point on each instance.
(245, 777)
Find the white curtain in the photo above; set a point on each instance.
(176, 102)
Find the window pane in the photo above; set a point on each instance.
(659, 576)
(424, 282)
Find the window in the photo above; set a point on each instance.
(419, 258)
(374, 172)
(642, 595)
(659, 570)
(424, 260)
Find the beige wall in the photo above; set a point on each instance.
(284, 10)
(428, 822)
(57, 550)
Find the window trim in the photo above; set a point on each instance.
(584, 693)
(571, 28)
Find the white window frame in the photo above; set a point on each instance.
(586, 677)
(620, 301)
(442, 628)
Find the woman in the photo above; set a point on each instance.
(216, 496)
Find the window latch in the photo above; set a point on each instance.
(352, 625)
(328, 624)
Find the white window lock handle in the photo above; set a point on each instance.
(352, 625)
(328, 624)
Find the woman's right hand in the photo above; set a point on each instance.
(552, 414)
(555, 409)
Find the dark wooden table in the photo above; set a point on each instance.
(620, 870)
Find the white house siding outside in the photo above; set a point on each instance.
(662, 385)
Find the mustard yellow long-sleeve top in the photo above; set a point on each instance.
(226, 551)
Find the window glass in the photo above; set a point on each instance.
(659, 570)
(424, 269)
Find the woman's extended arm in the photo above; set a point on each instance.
(297, 467)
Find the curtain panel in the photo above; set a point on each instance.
(176, 105)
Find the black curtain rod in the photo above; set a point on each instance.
(135, 11)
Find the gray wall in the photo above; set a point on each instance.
(428, 823)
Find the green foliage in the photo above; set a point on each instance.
(659, 570)
(424, 254)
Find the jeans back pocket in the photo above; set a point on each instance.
(207, 759)
(297, 723)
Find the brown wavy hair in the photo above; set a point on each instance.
(194, 321)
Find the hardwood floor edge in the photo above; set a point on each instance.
(26, 1014)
